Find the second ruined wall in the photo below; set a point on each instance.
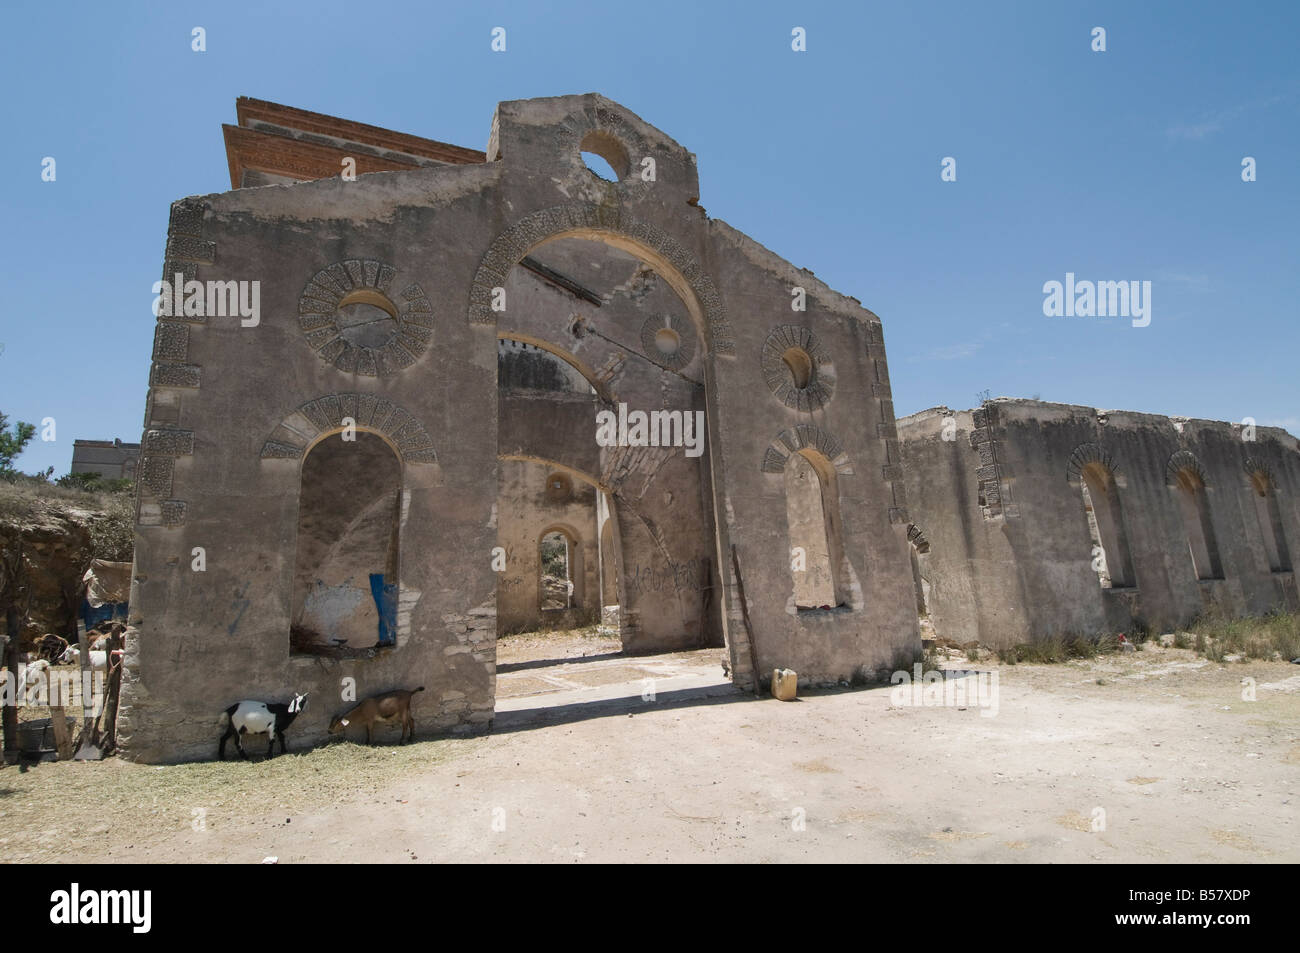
(1010, 552)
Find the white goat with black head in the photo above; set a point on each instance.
(259, 718)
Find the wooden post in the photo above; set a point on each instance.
(62, 737)
(4, 730)
(113, 689)
(744, 614)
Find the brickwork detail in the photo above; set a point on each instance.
(1184, 460)
(368, 413)
(805, 436)
(994, 494)
(358, 281)
(1083, 455)
(778, 376)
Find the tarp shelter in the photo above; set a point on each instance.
(108, 588)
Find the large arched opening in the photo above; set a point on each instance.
(594, 325)
(348, 546)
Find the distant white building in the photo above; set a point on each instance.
(111, 459)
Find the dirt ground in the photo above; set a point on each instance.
(1145, 757)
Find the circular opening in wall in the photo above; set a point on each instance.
(668, 341)
(366, 318)
(605, 156)
(799, 362)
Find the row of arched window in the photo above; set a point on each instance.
(1112, 556)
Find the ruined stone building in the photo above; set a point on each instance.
(373, 434)
(1033, 519)
(408, 396)
(110, 459)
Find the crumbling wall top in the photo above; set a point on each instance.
(548, 135)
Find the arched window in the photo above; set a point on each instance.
(1111, 557)
(1270, 522)
(812, 514)
(1189, 484)
(345, 579)
(609, 592)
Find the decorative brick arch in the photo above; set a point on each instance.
(1259, 474)
(318, 418)
(1184, 460)
(1085, 454)
(612, 225)
(805, 437)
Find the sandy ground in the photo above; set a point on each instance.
(1147, 757)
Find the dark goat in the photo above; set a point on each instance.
(390, 706)
(257, 718)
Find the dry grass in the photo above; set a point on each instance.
(20, 496)
(109, 516)
(79, 797)
(557, 643)
(1059, 648)
(1274, 636)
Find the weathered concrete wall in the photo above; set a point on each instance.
(427, 262)
(1021, 564)
(231, 413)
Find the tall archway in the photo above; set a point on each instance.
(625, 308)
(541, 498)
(1188, 481)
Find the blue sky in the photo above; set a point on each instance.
(1123, 165)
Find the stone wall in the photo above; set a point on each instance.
(998, 494)
(381, 304)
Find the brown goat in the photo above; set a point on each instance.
(390, 706)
